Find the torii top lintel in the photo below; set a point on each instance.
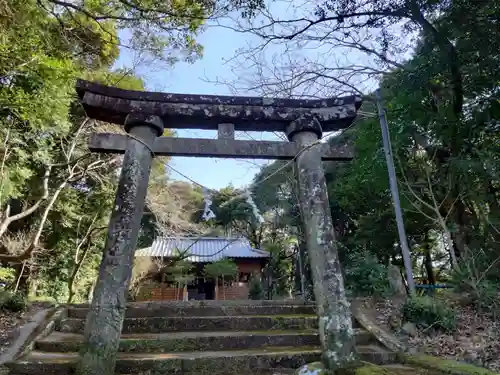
(187, 111)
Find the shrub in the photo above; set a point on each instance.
(255, 288)
(473, 281)
(486, 297)
(224, 268)
(14, 302)
(7, 275)
(427, 312)
(365, 276)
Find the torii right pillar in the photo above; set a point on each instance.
(333, 308)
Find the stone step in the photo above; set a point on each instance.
(210, 303)
(196, 341)
(200, 363)
(376, 354)
(248, 362)
(210, 323)
(194, 310)
(400, 369)
(187, 341)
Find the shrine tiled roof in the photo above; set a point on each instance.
(200, 250)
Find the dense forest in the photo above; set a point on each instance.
(443, 108)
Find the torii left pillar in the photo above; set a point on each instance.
(107, 310)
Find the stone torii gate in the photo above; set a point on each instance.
(144, 116)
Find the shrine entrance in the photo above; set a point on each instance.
(144, 116)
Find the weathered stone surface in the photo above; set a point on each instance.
(34, 327)
(219, 352)
(193, 341)
(385, 338)
(225, 131)
(183, 111)
(197, 341)
(207, 303)
(376, 354)
(201, 324)
(335, 320)
(200, 363)
(107, 310)
(217, 148)
(396, 280)
(244, 362)
(166, 310)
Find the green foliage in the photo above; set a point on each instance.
(444, 155)
(180, 272)
(255, 288)
(224, 268)
(278, 267)
(479, 283)
(366, 276)
(14, 302)
(44, 48)
(429, 313)
(7, 275)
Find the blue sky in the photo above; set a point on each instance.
(219, 44)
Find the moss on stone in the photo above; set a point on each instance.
(370, 369)
(238, 323)
(360, 368)
(444, 366)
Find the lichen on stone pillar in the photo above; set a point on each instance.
(334, 313)
(105, 318)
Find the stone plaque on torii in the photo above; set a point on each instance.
(144, 116)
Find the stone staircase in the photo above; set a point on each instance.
(199, 337)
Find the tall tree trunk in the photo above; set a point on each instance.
(460, 237)
(74, 274)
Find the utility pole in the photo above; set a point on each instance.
(395, 192)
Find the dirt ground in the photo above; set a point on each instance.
(476, 340)
(11, 322)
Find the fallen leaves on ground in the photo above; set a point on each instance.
(476, 339)
(10, 322)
